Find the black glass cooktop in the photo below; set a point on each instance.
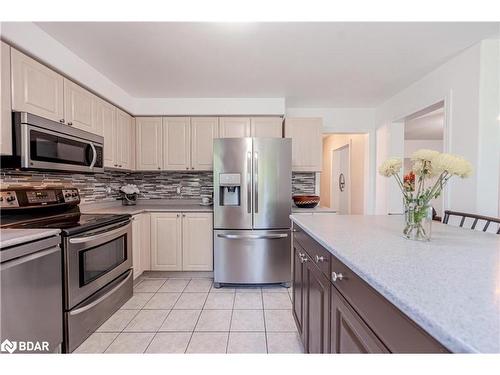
(70, 223)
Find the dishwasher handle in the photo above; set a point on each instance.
(28, 258)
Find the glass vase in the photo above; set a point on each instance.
(418, 221)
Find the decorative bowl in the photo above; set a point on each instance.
(306, 201)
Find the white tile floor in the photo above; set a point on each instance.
(183, 315)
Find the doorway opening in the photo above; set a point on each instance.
(425, 130)
(344, 179)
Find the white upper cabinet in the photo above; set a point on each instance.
(36, 88)
(203, 132)
(148, 143)
(176, 143)
(105, 116)
(6, 105)
(80, 108)
(234, 127)
(266, 127)
(307, 144)
(124, 149)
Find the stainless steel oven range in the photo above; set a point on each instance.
(97, 254)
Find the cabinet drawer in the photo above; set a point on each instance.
(318, 254)
(398, 332)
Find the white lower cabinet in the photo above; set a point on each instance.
(181, 241)
(141, 244)
(197, 241)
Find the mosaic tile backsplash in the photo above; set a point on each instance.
(104, 187)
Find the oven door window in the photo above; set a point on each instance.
(55, 149)
(97, 261)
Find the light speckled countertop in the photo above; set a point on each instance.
(170, 205)
(12, 237)
(314, 210)
(146, 205)
(450, 286)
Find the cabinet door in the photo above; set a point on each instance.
(123, 139)
(298, 287)
(176, 143)
(317, 309)
(349, 334)
(267, 127)
(6, 105)
(197, 241)
(307, 144)
(106, 123)
(36, 88)
(166, 242)
(148, 143)
(79, 107)
(234, 127)
(136, 245)
(145, 220)
(203, 132)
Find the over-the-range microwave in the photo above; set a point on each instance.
(42, 144)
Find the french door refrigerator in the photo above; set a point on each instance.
(252, 205)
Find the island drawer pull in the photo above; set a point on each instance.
(337, 276)
(320, 258)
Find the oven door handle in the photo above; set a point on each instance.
(104, 235)
(91, 304)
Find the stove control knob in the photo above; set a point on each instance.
(67, 195)
(74, 195)
(10, 198)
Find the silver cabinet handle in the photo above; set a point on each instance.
(249, 182)
(178, 215)
(183, 215)
(256, 182)
(337, 276)
(319, 259)
(94, 156)
(253, 236)
(301, 255)
(61, 121)
(159, 168)
(303, 260)
(70, 123)
(102, 298)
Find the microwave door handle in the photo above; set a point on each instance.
(94, 156)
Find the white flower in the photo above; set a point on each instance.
(390, 167)
(424, 155)
(454, 165)
(130, 189)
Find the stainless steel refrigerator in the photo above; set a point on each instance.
(252, 205)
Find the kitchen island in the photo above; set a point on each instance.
(376, 291)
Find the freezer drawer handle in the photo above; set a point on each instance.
(102, 298)
(256, 183)
(253, 236)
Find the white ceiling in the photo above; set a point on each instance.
(426, 127)
(309, 64)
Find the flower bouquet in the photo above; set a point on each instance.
(129, 194)
(427, 164)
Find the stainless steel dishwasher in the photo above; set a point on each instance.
(31, 297)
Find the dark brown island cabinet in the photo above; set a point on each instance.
(337, 312)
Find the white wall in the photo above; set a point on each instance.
(458, 83)
(412, 145)
(29, 38)
(349, 120)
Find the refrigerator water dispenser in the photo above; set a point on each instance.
(229, 189)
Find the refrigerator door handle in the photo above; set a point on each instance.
(249, 182)
(256, 182)
(253, 236)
